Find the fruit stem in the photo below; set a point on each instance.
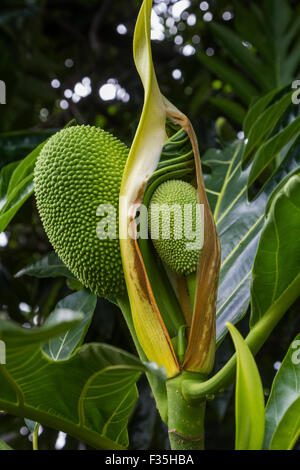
(185, 421)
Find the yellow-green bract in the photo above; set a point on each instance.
(78, 169)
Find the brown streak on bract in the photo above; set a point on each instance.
(184, 299)
(146, 286)
(208, 269)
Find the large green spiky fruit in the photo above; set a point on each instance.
(78, 169)
(172, 222)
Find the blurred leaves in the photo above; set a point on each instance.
(261, 52)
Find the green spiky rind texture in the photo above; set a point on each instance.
(78, 169)
(173, 251)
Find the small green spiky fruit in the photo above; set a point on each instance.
(78, 169)
(172, 211)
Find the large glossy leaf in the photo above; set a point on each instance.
(249, 397)
(89, 396)
(239, 223)
(276, 272)
(62, 347)
(283, 407)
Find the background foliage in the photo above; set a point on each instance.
(53, 49)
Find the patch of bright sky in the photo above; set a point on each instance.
(204, 6)
(277, 365)
(64, 104)
(121, 29)
(188, 50)
(227, 15)
(81, 90)
(24, 430)
(157, 27)
(60, 441)
(112, 90)
(69, 63)
(178, 40)
(179, 7)
(176, 74)
(24, 307)
(68, 93)
(191, 20)
(165, 14)
(208, 16)
(3, 239)
(55, 83)
(176, 11)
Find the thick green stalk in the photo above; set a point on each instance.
(185, 421)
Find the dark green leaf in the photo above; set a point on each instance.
(48, 266)
(234, 110)
(5, 177)
(283, 407)
(90, 396)
(19, 188)
(264, 124)
(242, 87)
(61, 348)
(276, 278)
(256, 110)
(241, 54)
(17, 144)
(270, 149)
